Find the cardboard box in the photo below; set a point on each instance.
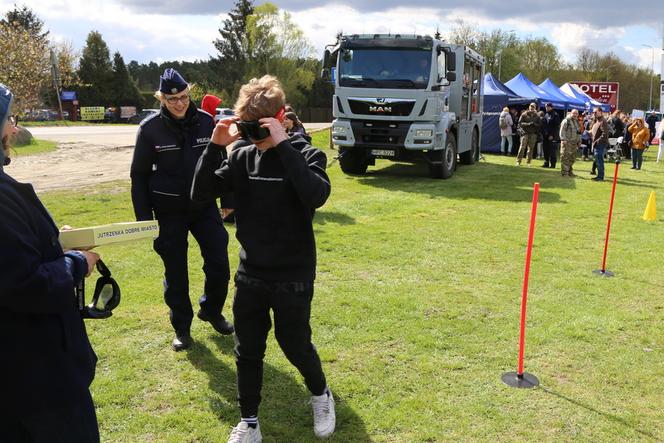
(106, 234)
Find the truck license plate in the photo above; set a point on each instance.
(383, 152)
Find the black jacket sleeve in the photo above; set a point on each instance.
(213, 174)
(306, 171)
(141, 169)
(29, 283)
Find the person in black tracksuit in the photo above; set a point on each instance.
(277, 184)
(168, 146)
(550, 135)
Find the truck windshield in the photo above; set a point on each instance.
(384, 68)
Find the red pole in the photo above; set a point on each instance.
(608, 225)
(524, 297)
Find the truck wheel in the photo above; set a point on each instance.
(443, 162)
(470, 157)
(353, 161)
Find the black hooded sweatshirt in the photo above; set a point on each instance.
(276, 193)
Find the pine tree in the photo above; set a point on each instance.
(233, 47)
(27, 20)
(124, 90)
(95, 72)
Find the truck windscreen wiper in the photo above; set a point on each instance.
(403, 80)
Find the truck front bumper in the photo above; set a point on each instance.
(384, 135)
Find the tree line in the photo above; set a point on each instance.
(538, 59)
(256, 40)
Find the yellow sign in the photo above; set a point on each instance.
(105, 234)
(92, 113)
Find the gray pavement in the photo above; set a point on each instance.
(115, 135)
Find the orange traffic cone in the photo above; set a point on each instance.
(650, 213)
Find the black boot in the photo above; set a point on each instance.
(218, 322)
(181, 341)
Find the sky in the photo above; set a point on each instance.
(158, 30)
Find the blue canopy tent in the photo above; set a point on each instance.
(496, 97)
(572, 102)
(522, 86)
(573, 91)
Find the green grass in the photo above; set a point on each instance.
(415, 315)
(36, 146)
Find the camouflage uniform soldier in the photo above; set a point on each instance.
(529, 125)
(570, 140)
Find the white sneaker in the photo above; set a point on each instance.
(243, 433)
(324, 416)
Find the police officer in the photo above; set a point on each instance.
(168, 146)
(550, 130)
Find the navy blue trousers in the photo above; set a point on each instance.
(207, 228)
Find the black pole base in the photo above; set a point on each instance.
(603, 273)
(525, 381)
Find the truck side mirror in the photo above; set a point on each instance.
(450, 76)
(325, 74)
(326, 59)
(450, 61)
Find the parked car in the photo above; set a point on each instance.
(223, 114)
(139, 117)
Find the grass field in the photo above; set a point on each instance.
(415, 315)
(36, 146)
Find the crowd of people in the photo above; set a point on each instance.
(263, 167)
(591, 135)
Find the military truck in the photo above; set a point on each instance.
(405, 98)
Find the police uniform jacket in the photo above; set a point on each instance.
(165, 158)
(47, 362)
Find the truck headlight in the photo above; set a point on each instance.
(339, 129)
(424, 133)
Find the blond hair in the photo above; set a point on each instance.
(506, 109)
(261, 97)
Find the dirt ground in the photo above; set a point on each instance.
(73, 165)
(85, 156)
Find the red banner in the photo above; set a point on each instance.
(603, 92)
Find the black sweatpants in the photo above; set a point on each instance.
(290, 303)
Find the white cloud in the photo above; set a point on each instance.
(570, 37)
(647, 57)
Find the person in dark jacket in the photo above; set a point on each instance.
(616, 125)
(550, 130)
(277, 182)
(651, 121)
(47, 361)
(168, 146)
(600, 137)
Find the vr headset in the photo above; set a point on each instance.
(105, 298)
(252, 129)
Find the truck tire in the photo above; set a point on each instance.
(353, 161)
(470, 157)
(443, 161)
